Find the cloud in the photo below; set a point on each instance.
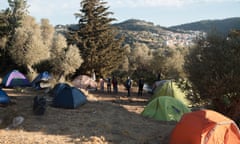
(161, 3)
(62, 11)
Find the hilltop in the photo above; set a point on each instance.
(223, 26)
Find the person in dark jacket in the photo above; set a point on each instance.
(140, 86)
(109, 85)
(128, 86)
(115, 84)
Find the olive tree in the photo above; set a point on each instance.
(10, 19)
(213, 69)
(65, 59)
(27, 46)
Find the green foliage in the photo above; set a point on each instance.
(16, 12)
(169, 62)
(47, 32)
(27, 47)
(30, 45)
(4, 26)
(96, 40)
(140, 55)
(10, 20)
(213, 70)
(64, 59)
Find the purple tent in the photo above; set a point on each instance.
(15, 78)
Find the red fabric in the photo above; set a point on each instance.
(205, 127)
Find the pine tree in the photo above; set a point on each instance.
(96, 38)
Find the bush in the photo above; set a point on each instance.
(212, 67)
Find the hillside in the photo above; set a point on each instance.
(223, 26)
(154, 36)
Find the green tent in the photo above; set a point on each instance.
(170, 88)
(165, 108)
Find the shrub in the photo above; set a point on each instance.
(213, 69)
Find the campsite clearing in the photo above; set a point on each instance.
(105, 118)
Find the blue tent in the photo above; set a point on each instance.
(15, 78)
(69, 97)
(58, 87)
(4, 98)
(42, 77)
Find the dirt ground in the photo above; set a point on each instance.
(104, 119)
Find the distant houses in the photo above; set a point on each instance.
(157, 38)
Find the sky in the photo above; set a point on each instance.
(160, 12)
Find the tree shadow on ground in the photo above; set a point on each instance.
(101, 120)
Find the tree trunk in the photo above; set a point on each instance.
(31, 72)
(61, 77)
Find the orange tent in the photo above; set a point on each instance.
(205, 127)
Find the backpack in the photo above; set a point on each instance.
(39, 105)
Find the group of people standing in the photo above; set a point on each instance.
(140, 86)
(110, 83)
(113, 82)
